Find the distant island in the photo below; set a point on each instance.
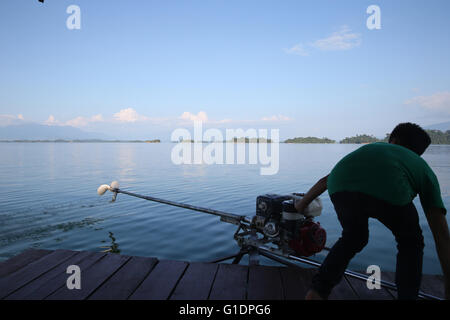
(83, 141)
(250, 140)
(437, 137)
(363, 138)
(309, 140)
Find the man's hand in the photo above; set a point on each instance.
(313, 193)
(299, 204)
(439, 228)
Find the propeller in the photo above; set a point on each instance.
(113, 188)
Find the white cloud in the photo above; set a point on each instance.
(76, 122)
(439, 101)
(223, 121)
(51, 121)
(132, 119)
(97, 118)
(343, 39)
(298, 49)
(201, 116)
(276, 118)
(10, 119)
(128, 115)
(82, 121)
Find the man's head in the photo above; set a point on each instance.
(411, 136)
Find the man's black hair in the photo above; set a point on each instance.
(411, 136)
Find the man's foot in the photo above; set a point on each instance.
(313, 295)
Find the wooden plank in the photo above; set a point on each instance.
(32, 271)
(230, 283)
(343, 291)
(125, 281)
(264, 283)
(17, 262)
(39, 274)
(51, 281)
(433, 285)
(161, 281)
(364, 293)
(307, 275)
(91, 278)
(390, 277)
(296, 283)
(196, 282)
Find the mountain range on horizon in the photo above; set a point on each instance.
(35, 131)
(443, 126)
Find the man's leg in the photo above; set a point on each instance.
(404, 224)
(355, 235)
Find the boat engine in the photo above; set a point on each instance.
(277, 218)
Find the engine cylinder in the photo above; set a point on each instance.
(290, 219)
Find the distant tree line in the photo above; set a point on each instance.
(437, 137)
(309, 140)
(250, 140)
(360, 138)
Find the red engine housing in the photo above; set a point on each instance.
(311, 239)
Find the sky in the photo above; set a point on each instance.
(141, 69)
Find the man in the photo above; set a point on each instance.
(380, 180)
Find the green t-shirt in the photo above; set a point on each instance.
(388, 172)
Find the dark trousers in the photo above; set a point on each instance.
(353, 211)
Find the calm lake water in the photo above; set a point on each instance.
(48, 200)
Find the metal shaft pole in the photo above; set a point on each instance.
(185, 206)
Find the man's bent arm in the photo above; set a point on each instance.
(315, 191)
(439, 228)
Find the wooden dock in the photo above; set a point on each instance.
(41, 274)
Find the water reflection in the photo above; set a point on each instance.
(114, 247)
(126, 161)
